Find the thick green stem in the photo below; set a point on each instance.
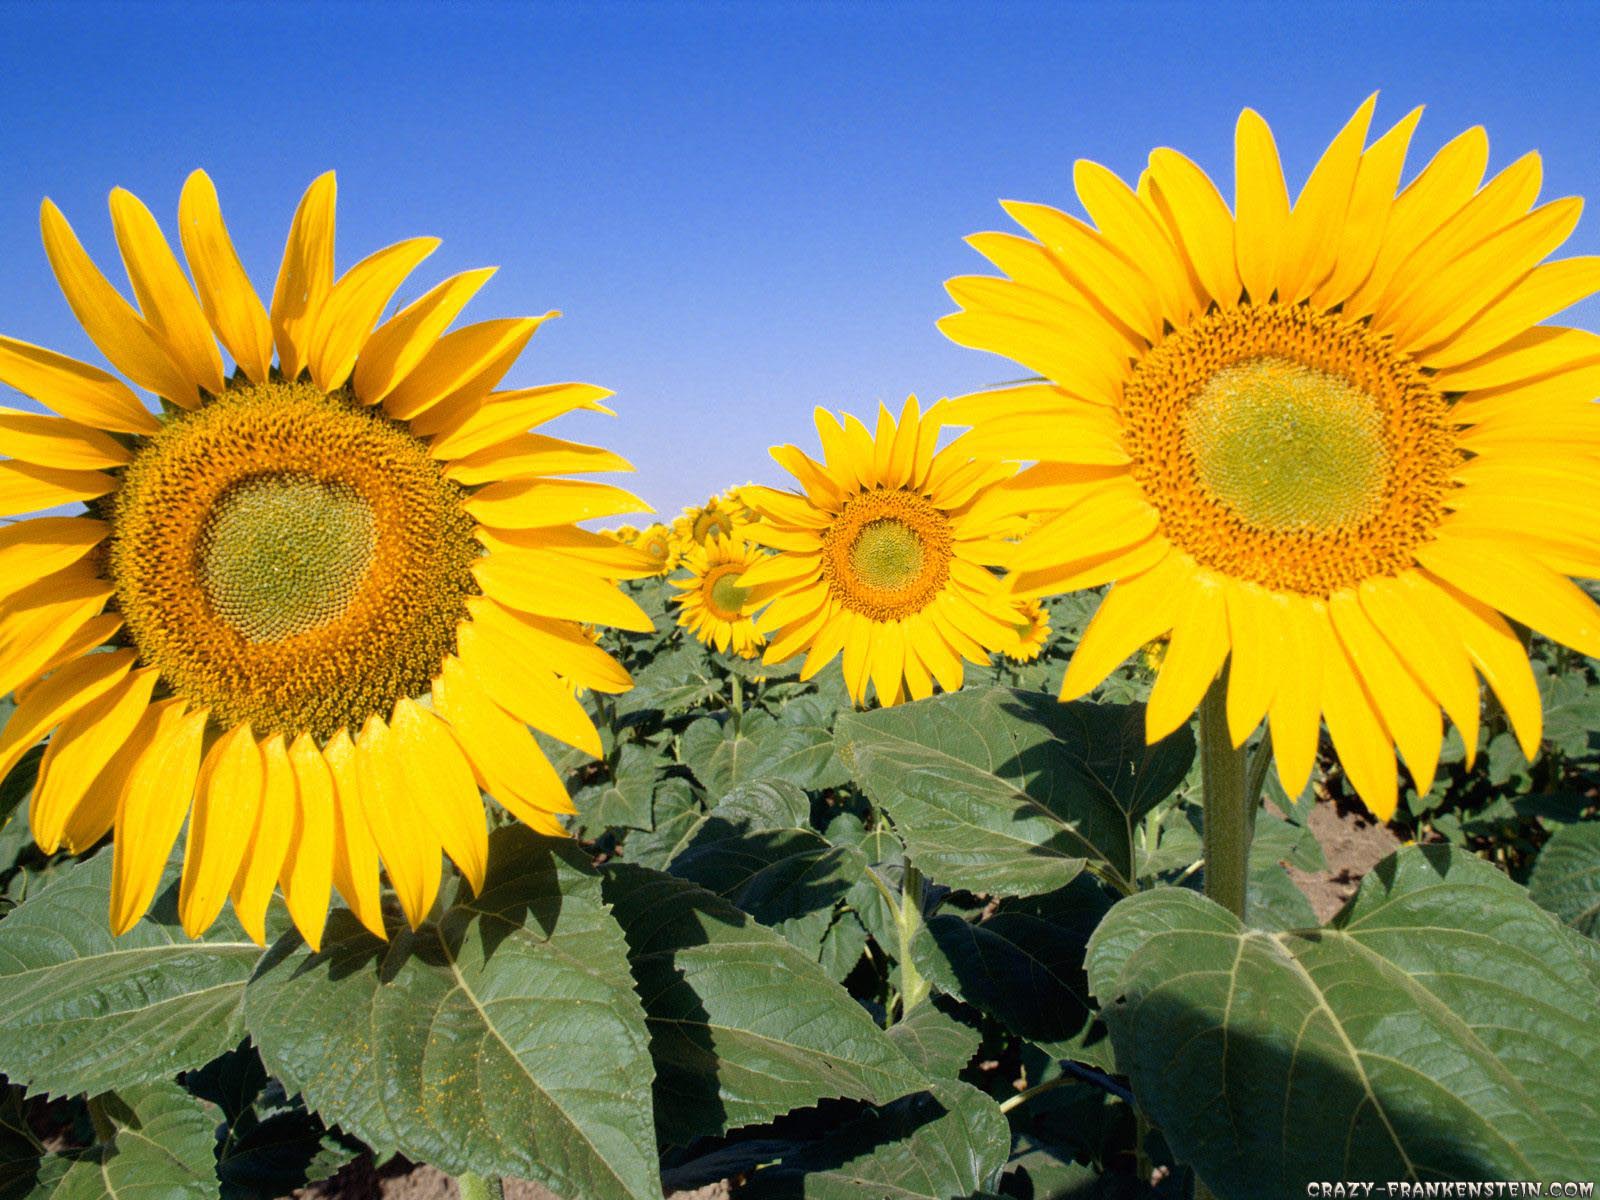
(914, 988)
(479, 1187)
(736, 700)
(1229, 813)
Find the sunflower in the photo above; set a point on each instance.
(885, 555)
(330, 593)
(712, 600)
(718, 517)
(1031, 624)
(1329, 445)
(659, 546)
(627, 534)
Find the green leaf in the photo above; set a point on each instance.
(1566, 876)
(1011, 793)
(673, 682)
(1430, 1031)
(938, 1043)
(678, 814)
(752, 851)
(947, 1143)
(759, 746)
(160, 1148)
(503, 1038)
(1023, 966)
(87, 1012)
(743, 1027)
(624, 798)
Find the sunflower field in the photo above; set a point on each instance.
(931, 826)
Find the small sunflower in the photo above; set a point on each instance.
(1032, 625)
(1329, 445)
(626, 534)
(885, 555)
(332, 591)
(658, 545)
(712, 600)
(718, 517)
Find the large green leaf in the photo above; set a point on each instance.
(753, 851)
(743, 1026)
(1566, 876)
(1433, 1030)
(1023, 965)
(938, 1043)
(948, 1143)
(1009, 792)
(624, 796)
(159, 1147)
(88, 1012)
(503, 1038)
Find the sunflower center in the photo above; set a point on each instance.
(283, 554)
(887, 554)
(1289, 448)
(724, 597)
(291, 559)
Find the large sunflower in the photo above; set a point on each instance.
(711, 600)
(1328, 444)
(332, 591)
(885, 554)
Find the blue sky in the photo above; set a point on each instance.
(743, 210)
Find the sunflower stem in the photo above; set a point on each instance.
(1229, 811)
(479, 1187)
(736, 700)
(914, 988)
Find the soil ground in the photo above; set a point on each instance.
(1351, 842)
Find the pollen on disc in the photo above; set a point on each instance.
(284, 554)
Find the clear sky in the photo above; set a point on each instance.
(743, 210)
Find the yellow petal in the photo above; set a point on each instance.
(1372, 199)
(592, 553)
(307, 873)
(91, 636)
(1256, 668)
(38, 621)
(76, 390)
(1401, 607)
(155, 799)
(132, 344)
(524, 580)
(77, 756)
(1130, 227)
(1504, 578)
(269, 842)
(1541, 293)
(400, 343)
(1075, 358)
(30, 550)
(355, 854)
(63, 693)
(525, 688)
(1497, 653)
(1262, 203)
(164, 296)
(1195, 655)
(825, 646)
(453, 807)
(1296, 711)
(501, 752)
(1204, 225)
(227, 804)
(1100, 270)
(1316, 225)
(521, 503)
(1359, 738)
(1078, 573)
(1409, 713)
(236, 313)
(306, 275)
(353, 306)
(819, 487)
(53, 442)
(505, 415)
(1529, 355)
(1135, 610)
(533, 454)
(405, 840)
(1110, 519)
(469, 361)
(558, 645)
(886, 661)
(26, 488)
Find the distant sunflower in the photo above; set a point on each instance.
(334, 591)
(885, 555)
(1329, 445)
(718, 517)
(1032, 625)
(712, 600)
(658, 545)
(626, 534)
